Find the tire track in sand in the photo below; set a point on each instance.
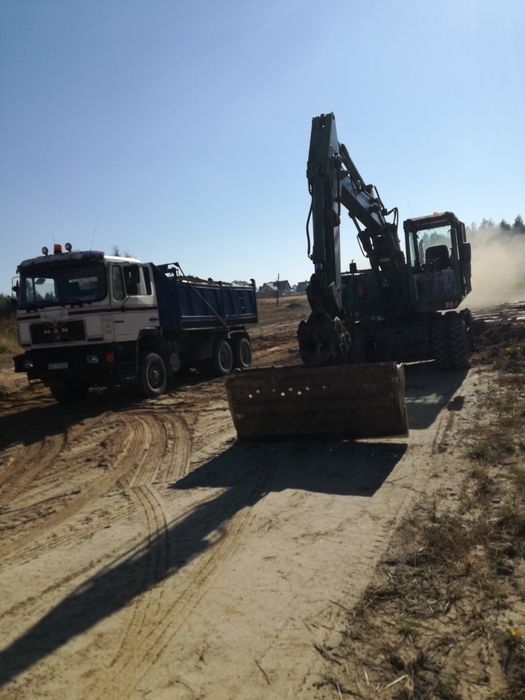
(131, 438)
(149, 606)
(26, 462)
(175, 436)
(145, 642)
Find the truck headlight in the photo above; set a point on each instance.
(28, 364)
(92, 359)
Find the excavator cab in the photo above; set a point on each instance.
(438, 261)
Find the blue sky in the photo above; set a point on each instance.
(180, 131)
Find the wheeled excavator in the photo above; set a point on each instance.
(362, 322)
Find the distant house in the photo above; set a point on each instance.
(301, 287)
(269, 289)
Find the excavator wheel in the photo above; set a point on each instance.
(438, 333)
(450, 341)
(458, 342)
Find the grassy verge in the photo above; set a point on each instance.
(446, 615)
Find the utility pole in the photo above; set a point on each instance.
(277, 297)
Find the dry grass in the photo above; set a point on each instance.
(445, 616)
(288, 309)
(8, 341)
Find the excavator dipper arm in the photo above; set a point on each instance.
(334, 181)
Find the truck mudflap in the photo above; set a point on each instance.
(344, 401)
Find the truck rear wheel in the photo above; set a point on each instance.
(153, 377)
(69, 392)
(222, 360)
(242, 352)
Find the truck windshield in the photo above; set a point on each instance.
(62, 284)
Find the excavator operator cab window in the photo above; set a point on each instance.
(431, 249)
(431, 257)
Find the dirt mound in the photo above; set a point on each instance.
(500, 337)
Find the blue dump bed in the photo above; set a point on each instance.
(187, 305)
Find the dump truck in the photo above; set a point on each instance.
(363, 322)
(88, 319)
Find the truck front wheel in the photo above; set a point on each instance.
(153, 377)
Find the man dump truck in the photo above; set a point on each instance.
(87, 319)
(362, 322)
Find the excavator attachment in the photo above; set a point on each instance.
(344, 401)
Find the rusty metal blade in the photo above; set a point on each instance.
(347, 401)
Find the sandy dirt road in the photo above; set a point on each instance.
(146, 554)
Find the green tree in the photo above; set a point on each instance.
(116, 250)
(504, 225)
(518, 226)
(6, 306)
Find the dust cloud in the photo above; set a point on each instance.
(498, 267)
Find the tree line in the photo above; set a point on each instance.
(516, 227)
(6, 306)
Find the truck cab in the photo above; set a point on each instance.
(89, 319)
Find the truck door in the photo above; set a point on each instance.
(132, 301)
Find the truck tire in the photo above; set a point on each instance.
(242, 352)
(458, 342)
(438, 333)
(153, 377)
(68, 393)
(222, 359)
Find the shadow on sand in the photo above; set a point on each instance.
(428, 390)
(35, 423)
(248, 471)
(244, 473)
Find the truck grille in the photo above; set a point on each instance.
(57, 331)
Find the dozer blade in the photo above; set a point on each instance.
(346, 401)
